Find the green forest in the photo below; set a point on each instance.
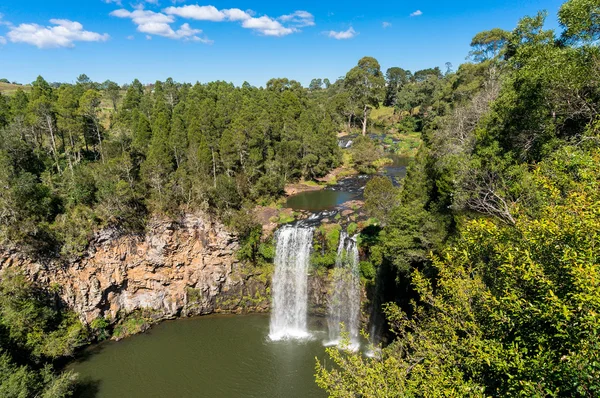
(485, 260)
(489, 250)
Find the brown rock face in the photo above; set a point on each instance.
(185, 268)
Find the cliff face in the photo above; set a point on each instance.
(178, 268)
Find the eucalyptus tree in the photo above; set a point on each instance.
(366, 84)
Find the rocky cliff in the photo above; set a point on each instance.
(185, 267)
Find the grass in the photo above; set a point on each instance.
(381, 113)
(408, 145)
(9, 88)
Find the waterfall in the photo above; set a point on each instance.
(290, 283)
(344, 301)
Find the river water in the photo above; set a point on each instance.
(211, 356)
(348, 189)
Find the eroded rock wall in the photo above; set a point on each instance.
(185, 268)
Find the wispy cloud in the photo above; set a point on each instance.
(417, 13)
(343, 35)
(2, 40)
(265, 25)
(386, 25)
(159, 24)
(4, 22)
(299, 19)
(64, 33)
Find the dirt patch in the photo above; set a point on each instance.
(294, 189)
(337, 173)
(263, 214)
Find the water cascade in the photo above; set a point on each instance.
(290, 283)
(344, 301)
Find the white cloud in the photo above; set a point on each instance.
(64, 34)
(235, 14)
(130, 37)
(299, 19)
(156, 23)
(208, 13)
(117, 2)
(2, 40)
(386, 25)
(346, 34)
(265, 25)
(417, 13)
(200, 13)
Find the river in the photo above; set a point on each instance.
(212, 356)
(350, 188)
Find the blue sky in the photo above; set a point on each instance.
(241, 40)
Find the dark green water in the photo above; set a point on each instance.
(319, 200)
(397, 170)
(212, 356)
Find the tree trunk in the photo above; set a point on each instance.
(53, 141)
(364, 126)
(214, 167)
(99, 139)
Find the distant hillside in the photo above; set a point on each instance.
(9, 88)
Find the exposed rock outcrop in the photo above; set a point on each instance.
(184, 268)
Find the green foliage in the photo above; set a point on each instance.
(580, 19)
(133, 323)
(380, 198)
(352, 228)
(99, 327)
(34, 330)
(513, 309)
(493, 239)
(365, 85)
(365, 153)
(325, 246)
(489, 44)
(68, 170)
(367, 270)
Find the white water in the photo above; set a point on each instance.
(344, 301)
(290, 283)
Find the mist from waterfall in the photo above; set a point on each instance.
(344, 300)
(290, 283)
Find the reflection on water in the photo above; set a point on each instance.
(397, 170)
(319, 200)
(213, 356)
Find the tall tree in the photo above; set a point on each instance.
(366, 83)
(488, 44)
(113, 91)
(89, 108)
(395, 79)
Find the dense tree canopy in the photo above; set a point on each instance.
(77, 156)
(493, 240)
